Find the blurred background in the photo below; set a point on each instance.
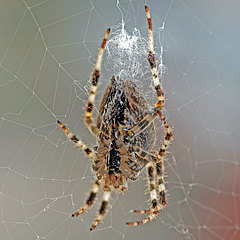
(47, 53)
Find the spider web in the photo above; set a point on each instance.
(47, 53)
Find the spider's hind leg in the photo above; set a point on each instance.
(160, 183)
(152, 188)
(156, 179)
(89, 200)
(102, 210)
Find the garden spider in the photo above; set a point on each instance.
(125, 134)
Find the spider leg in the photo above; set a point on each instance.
(92, 94)
(88, 151)
(140, 127)
(143, 154)
(89, 200)
(156, 206)
(152, 189)
(160, 183)
(163, 150)
(144, 123)
(102, 210)
(158, 88)
(158, 160)
(167, 140)
(152, 62)
(153, 214)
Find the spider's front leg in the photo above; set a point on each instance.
(79, 143)
(152, 62)
(94, 84)
(157, 86)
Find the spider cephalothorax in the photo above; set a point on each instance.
(125, 136)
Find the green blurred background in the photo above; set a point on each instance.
(47, 53)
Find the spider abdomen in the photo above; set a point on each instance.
(122, 107)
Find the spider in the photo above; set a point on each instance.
(125, 134)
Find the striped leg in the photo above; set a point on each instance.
(88, 151)
(102, 210)
(160, 183)
(152, 62)
(163, 150)
(159, 179)
(140, 127)
(158, 159)
(153, 214)
(156, 206)
(167, 140)
(152, 189)
(157, 86)
(90, 199)
(91, 98)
